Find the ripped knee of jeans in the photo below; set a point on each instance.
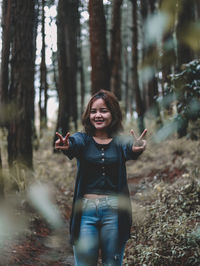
(116, 257)
(113, 261)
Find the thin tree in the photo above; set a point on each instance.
(43, 90)
(100, 74)
(136, 89)
(21, 91)
(150, 61)
(115, 51)
(81, 68)
(184, 55)
(71, 29)
(1, 179)
(168, 57)
(185, 18)
(67, 32)
(4, 75)
(126, 80)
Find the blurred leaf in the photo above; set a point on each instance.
(155, 27)
(146, 73)
(39, 195)
(166, 131)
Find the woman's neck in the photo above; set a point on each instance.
(102, 138)
(101, 135)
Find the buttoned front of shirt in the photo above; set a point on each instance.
(100, 168)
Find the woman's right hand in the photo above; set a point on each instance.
(62, 143)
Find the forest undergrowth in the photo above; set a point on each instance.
(165, 192)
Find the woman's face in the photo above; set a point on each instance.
(100, 115)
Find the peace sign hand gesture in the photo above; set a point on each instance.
(62, 143)
(139, 144)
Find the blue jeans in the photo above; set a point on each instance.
(99, 231)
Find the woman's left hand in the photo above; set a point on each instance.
(139, 143)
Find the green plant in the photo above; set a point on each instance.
(186, 87)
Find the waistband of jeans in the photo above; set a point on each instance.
(107, 197)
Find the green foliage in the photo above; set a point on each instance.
(186, 86)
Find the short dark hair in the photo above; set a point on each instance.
(112, 104)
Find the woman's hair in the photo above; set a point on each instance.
(113, 106)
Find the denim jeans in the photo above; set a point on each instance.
(99, 232)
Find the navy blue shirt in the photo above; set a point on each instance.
(100, 168)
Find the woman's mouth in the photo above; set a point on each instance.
(99, 121)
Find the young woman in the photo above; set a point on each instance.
(101, 213)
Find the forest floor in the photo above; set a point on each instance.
(160, 182)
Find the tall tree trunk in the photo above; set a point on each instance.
(115, 54)
(4, 80)
(139, 103)
(184, 55)
(168, 57)
(150, 58)
(185, 17)
(144, 13)
(1, 179)
(126, 82)
(22, 84)
(63, 73)
(100, 74)
(67, 34)
(72, 24)
(43, 92)
(55, 74)
(81, 69)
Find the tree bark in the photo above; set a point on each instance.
(184, 55)
(21, 91)
(126, 81)
(168, 58)
(100, 74)
(43, 92)
(185, 17)
(115, 54)
(67, 34)
(4, 80)
(63, 89)
(150, 59)
(1, 179)
(138, 99)
(81, 69)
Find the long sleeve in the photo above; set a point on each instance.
(126, 143)
(76, 144)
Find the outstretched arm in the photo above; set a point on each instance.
(139, 143)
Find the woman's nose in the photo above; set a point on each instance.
(98, 114)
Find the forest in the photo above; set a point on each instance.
(54, 55)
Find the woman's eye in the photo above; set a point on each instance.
(92, 111)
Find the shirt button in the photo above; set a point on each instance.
(102, 159)
(103, 173)
(102, 153)
(102, 149)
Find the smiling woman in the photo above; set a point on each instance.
(101, 213)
